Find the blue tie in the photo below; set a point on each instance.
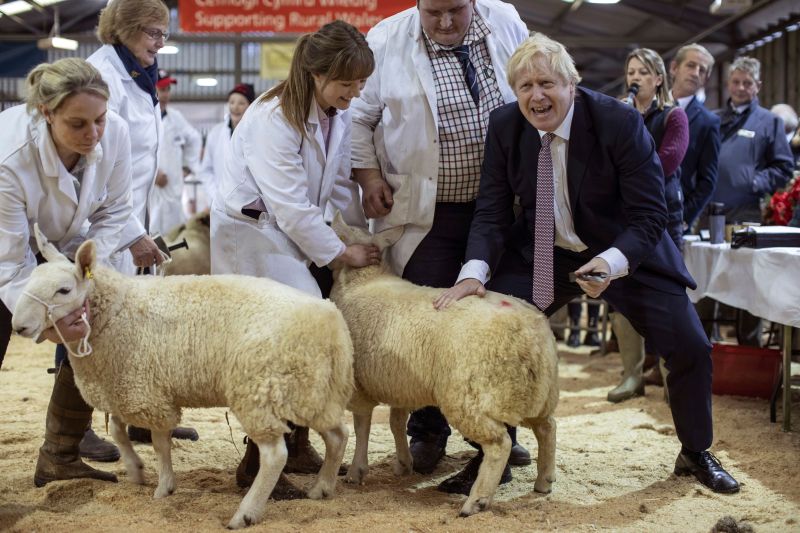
(462, 53)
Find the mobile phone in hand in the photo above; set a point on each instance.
(598, 277)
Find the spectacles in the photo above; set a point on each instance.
(155, 34)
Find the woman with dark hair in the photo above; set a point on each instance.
(669, 126)
(213, 164)
(287, 171)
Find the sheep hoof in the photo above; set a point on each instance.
(472, 507)
(356, 474)
(319, 492)
(402, 469)
(241, 521)
(543, 486)
(163, 492)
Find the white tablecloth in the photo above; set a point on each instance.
(765, 282)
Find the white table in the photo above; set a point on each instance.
(765, 282)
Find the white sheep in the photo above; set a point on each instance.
(196, 258)
(484, 362)
(270, 353)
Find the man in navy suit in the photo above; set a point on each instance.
(690, 70)
(607, 220)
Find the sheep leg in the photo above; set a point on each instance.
(133, 463)
(545, 431)
(360, 465)
(272, 454)
(495, 456)
(162, 444)
(335, 442)
(398, 418)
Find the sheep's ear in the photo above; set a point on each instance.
(388, 237)
(86, 259)
(47, 250)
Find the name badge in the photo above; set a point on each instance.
(746, 133)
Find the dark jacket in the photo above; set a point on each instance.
(615, 183)
(699, 167)
(755, 160)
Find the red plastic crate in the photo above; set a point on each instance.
(745, 370)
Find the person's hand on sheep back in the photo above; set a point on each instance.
(145, 252)
(72, 327)
(358, 255)
(465, 287)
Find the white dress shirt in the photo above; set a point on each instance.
(565, 228)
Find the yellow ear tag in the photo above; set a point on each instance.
(88, 273)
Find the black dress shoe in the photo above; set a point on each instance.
(462, 482)
(137, 434)
(426, 455)
(708, 471)
(519, 456)
(574, 339)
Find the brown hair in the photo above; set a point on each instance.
(337, 51)
(49, 84)
(121, 20)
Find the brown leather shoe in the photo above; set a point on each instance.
(248, 469)
(303, 458)
(94, 448)
(654, 377)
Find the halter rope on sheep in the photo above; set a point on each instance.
(84, 348)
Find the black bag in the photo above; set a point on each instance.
(766, 237)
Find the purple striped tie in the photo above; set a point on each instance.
(544, 228)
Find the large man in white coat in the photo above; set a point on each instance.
(179, 151)
(418, 136)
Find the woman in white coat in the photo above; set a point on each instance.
(132, 32)
(287, 171)
(239, 99)
(64, 164)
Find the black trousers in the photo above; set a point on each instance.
(667, 321)
(5, 331)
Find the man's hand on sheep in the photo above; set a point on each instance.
(146, 253)
(465, 287)
(377, 195)
(597, 265)
(70, 326)
(358, 255)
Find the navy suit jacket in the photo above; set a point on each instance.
(699, 166)
(615, 183)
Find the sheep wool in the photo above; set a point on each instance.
(484, 362)
(270, 353)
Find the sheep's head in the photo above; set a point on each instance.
(55, 288)
(354, 235)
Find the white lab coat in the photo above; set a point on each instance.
(36, 187)
(180, 148)
(301, 186)
(144, 123)
(213, 164)
(395, 122)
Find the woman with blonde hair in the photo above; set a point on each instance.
(64, 164)
(286, 172)
(669, 126)
(132, 33)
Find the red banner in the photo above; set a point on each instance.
(282, 16)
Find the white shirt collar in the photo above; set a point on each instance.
(683, 102)
(563, 130)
